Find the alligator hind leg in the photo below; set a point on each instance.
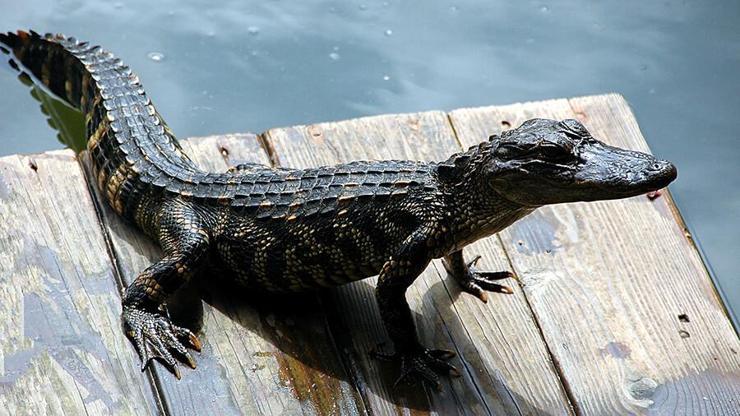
(472, 281)
(185, 244)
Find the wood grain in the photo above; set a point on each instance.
(256, 359)
(61, 347)
(614, 292)
(504, 360)
(623, 299)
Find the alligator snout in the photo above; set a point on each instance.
(661, 173)
(650, 176)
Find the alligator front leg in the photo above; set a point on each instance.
(472, 281)
(395, 277)
(185, 244)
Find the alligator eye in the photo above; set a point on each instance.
(575, 126)
(555, 153)
(506, 151)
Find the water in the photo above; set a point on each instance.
(247, 67)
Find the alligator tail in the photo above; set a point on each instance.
(133, 152)
(55, 61)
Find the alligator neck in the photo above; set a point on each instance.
(476, 209)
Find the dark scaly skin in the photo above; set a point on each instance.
(284, 230)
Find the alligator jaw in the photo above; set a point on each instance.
(609, 172)
(549, 162)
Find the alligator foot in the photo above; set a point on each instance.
(421, 365)
(154, 335)
(478, 283)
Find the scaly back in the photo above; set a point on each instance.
(136, 157)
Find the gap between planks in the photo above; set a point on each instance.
(223, 368)
(427, 136)
(348, 362)
(154, 384)
(555, 362)
(628, 297)
(556, 365)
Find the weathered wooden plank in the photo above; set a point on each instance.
(256, 360)
(61, 347)
(504, 361)
(622, 297)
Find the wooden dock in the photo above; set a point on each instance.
(613, 313)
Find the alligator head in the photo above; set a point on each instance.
(548, 162)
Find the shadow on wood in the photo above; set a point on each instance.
(613, 311)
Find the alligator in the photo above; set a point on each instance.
(291, 230)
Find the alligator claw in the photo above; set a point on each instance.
(473, 262)
(485, 280)
(377, 354)
(426, 366)
(155, 336)
(190, 336)
(478, 283)
(422, 365)
(146, 356)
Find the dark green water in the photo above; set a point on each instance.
(247, 66)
